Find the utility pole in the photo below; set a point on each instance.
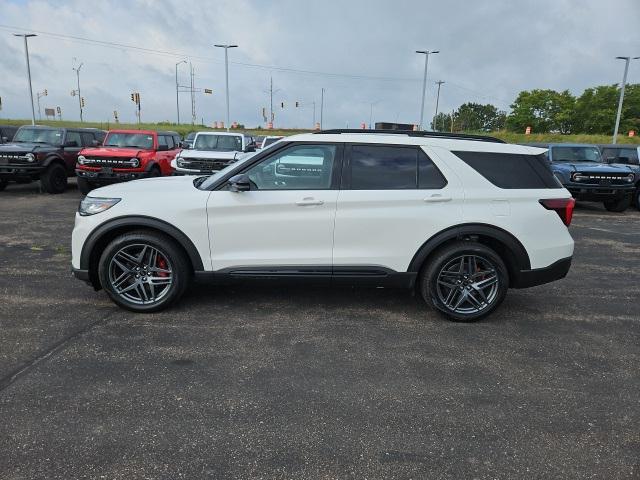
(435, 117)
(321, 106)
(226, 72)
(177, 98)
(624, 83)
(26, 54)
(314, 114)
(271, 99)
(192, 75)
(40, 95)
(426, 54)
(77, 70)
(371, 104)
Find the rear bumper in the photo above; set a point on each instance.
(540, 276)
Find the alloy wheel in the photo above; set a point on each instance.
(467, 284)
(141, 274)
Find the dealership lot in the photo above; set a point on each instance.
(299, 382)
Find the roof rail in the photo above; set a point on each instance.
(415, 133)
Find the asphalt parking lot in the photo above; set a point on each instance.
(257, 382)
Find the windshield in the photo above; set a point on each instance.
(129, 140)
(218, 143)
(576, 154)
(209, 181)
(39, 135)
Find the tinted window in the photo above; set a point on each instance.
(575, 154)
(621, 155)
(300, 167)
(429, 177)
(163, 141)
(73, 137)
(87, 139)
(510, 170)
(376, 167)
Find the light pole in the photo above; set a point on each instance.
(321, 107)
(426, 54)
(226, 73)
(177, 100)
(77, 70)
(435, 117)
(40, 95)
(624, 83)
(26, 53)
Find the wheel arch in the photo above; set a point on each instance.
(100, 237)
(507, 246)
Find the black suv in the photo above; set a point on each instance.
(45, 153)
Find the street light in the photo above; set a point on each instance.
(435, 117)
(26, 53)
(177, 101)
(624, 82)
(77, 70)
(426, 54)
(226, 72)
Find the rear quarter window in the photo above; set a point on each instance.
(511, 170)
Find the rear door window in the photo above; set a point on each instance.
(511, 170)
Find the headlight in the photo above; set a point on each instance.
(578, 177)
(181, 162)
(630, 178)
(91, 206)
(135, 163)
(81, 159)
(30, 157)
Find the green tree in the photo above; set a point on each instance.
(476, 117)
(441, 122)
(543, 111)
(596, 109)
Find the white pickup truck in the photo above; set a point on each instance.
(212, 151)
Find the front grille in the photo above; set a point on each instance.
(113, 162)
(203, 164)
(12, 157)
(603, 178)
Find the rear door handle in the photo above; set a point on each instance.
(305, 202)
(437, 198)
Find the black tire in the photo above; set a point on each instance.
(155, 172)
(619, 204)
(637, 198)
(3, 184)
(54, 179)
(84, 186)
(130, 291)
(437, 273)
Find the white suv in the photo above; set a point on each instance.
(211, 152)
(459, 219)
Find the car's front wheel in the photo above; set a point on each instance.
(619, 204)
(144, 271)
(465, 281)
(54, 179)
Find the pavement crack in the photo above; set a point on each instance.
(48, 352)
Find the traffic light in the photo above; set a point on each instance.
(282, 104)
(133, 97)
(297, 104)
(45, 92)
(82, 102)
(208, 91)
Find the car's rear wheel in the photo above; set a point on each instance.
(84, 185)
(619, 204)
(144, 271)
(54, 179)
(465, 281)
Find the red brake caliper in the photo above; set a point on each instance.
(162, 263)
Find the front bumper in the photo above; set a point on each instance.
(20, 170)
(100, 176)
(598, 192)
(540, 276)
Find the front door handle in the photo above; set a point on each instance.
(437, 198)
(307, 201)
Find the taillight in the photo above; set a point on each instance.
(562, 206)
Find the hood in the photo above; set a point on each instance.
(150, 186)
(112, 152)
(593, 167)
(27, 147)
(210, 155)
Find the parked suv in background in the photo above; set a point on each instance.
(45, 153)
(212, 151)
(625, 155)
(459, 219)
(581, 170)
(127, 155)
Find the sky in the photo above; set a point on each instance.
(362, 53)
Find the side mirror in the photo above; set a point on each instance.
(250, 148)
(72, 143)
(185, 145)
(163, 148)
(95, 143)
(5, 139)
(239, 183)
